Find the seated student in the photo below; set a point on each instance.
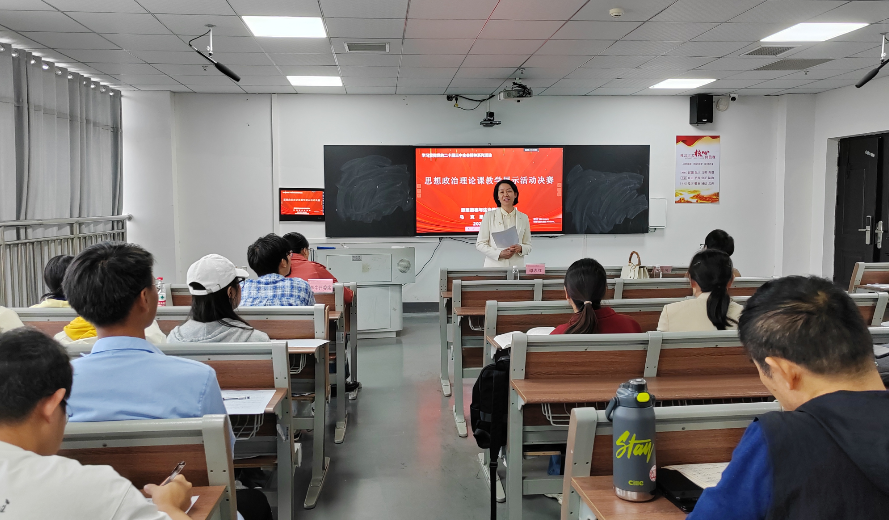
(825, 456)
(719, 239)
(269, 257)
(710, 273)
(9, 320)
(214, 284)
(35, 381)
(124, 376)
(53, 274)
(301, 267)
(585, 285)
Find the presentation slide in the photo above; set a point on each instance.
(297, 204)
(455, 187)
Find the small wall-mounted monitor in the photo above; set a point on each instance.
(298, 204)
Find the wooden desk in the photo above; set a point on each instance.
(598, 498)
(469, 311)
(447, 294)
(601, 390)
(276, 399)
(207, 505)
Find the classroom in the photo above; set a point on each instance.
(517, 259)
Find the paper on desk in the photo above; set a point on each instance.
(704, 475)
(307, 342)
(505, 340)
(193, 500)
(878, 286)
(246, 402)
(881, 351)
(505, 238)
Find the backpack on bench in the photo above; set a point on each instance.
(488, 413)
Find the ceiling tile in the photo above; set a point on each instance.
(848, 64)
(147, 79)
(705, 10)
(637, 83)
(872, 52)
(759, 91)
(634, 10)
(532, 73)
(365, 8)
(177, 70)
(839, 74)
(733, 83)
(264, 89)
(180, 57)
(832, 83)
(224, 44)
(831, 49)
(806, 90)
(506, 46)
(204, 79)
(470, 91)
(675, 63)
(24, 5)
(584, 72)
(70, 40)
(90, 56)
(116, 69)
(539, 83)
(443, 28)
(786, 12)
(783, 83)
(424, 82)
(276, 7)
(535, 10)
(302, 59)
(813, 74)
(150, 42)
(587, 83)
(339, 44)
(871, 33)
(639, 48)
(437, 46)
(129, 23)
(581, 30)
(427, 72)
(759, 74)
(452, 9)
(617, 62)
(870, 12)
(740, 32)
(706, 49)
(519, 29)
(243, 58)
(494, 60)
(485, 72)
(369, 82)
(368, 60)
(216, 89)
(476, 82)
(408, 90)
(94, 6)
(669, 31)
(365, 27)
(296, 45)
(48, 21)
(315, 70)
(611, 91)
(734, 63)
(571, 62)
(192, 25)
(574, 47)
(369, 72)
(371, 90)
(168, 88)
(565, 91)
(203, 7)
(280, 81)
(432, 60)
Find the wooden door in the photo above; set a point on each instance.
(856, 210)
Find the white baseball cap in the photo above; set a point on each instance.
(214, 272)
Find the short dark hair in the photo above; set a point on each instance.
(53, 274)
(719, 239)
(809, 321)
(297, 242)
(265, 255)
(33, 366)
(514, 188)
(104, 281)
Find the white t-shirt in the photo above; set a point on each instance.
(37, 487)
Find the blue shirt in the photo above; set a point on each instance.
(125, 378)
(745, 490)
(274, 290)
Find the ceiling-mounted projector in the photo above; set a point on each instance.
(517, 92)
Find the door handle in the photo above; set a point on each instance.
(879, 233)
(866, 230)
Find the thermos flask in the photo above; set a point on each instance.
(631, 412)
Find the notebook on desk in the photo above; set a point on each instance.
(683, 484)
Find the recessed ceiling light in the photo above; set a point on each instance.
(286, 26)
(813, 32)
(683, 83)
(315, 81)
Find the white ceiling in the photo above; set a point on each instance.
(565, 47)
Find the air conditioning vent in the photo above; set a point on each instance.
(367, 47)
(791, 64)
(769, 50)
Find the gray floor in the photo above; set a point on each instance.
(402, 458)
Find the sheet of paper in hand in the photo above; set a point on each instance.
(506, 238)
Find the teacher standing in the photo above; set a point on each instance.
(506, 196)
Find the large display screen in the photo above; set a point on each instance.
(301, 204)
(455, 187)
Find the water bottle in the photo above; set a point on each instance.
(161, 293)
(635, 467)
(515, 272)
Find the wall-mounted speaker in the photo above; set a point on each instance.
(701, 111)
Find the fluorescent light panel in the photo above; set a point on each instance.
(683, 83)
(813, 32)
(286, 26)
(315, 81)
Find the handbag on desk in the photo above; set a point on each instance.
(633, 271)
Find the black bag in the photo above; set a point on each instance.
(488, 414)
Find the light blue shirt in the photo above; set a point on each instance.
(125, 378)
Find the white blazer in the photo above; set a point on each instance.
(691, 316)
(493, 221)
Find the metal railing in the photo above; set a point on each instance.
(26, 246)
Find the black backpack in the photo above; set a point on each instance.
(489, 409)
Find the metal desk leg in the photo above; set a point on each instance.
(459, 418)
(320, 462)
(285, 459)
(484, 459)
(341, 415)
(353, 346)
(443, 333)
(578, 457)
(514, 458)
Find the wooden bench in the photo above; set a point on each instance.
(145, 452)
(869, 273)
(696, 434)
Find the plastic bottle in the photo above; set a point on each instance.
(635, 466)
(161, 293)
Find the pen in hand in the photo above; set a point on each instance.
(176, 471)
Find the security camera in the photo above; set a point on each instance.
(733, 97)
(489, 121)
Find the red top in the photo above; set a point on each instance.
(301, 267)
(610, 322)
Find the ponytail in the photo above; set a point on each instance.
(712, 270)
(586, 322)
(585, 284)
